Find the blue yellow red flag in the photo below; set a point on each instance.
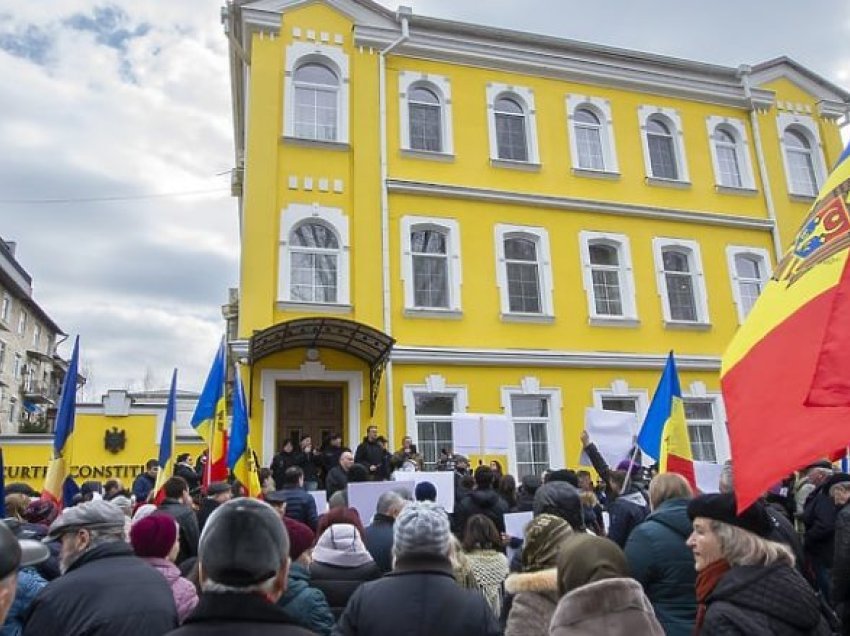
(166, 442)
(58, 466)
(786, 374)
(240, 456)
(209, 419)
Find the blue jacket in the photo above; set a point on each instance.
(664, 566)
(305, 605)
(29, 585)
(142, 486)
(301, 506)
(379, 541)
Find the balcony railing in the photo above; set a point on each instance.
(38, 392)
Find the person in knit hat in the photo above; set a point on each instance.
(421, 543)
(155, 540)
(535, 589)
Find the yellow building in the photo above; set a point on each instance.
(440, 217)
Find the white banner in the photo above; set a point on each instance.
(444, 482)
(613, 434)
(363, 496)
(481, 433)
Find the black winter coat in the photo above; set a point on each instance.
(339, 583)
(819, 514)
(379, 541)
(755, 600)
(280, 463)
(626, 512)
(485, 502)
(208, 505)
(372, 454)
(188, 522)
(107, 591)
(309, 463)
(336, 480)
(301, 506)
(841, 566)
(188, 473)
(243, 614)
(418, 598)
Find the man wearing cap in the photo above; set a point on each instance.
(244, 563)
(17, 590)
(104, 589)
(218, 492)
(420, 595)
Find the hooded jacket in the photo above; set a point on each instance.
(772, 599)
(661, 562)
(485, 502)
(305, 605)
(819, 514)
(610, 607)
(184, 592)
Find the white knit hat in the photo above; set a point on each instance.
(422, 528)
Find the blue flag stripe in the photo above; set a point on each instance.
(238, 443)
(649, 438)
(212, 391)
(167, 439)
(67, 403)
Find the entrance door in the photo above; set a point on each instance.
(308, 410)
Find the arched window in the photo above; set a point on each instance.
(425, 116)
(588, 131)
(316, 102)
(523, 274)
(314, 253)
(726, 148)
(749, 272)
(605, 273)
(511, 129)
(429, 251)
(801, 162)
(662, 149)
(681, 288)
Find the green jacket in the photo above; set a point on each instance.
(305, 605)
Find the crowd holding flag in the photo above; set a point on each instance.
(787, 370)
(58, 467)
(166, 443)
(240, 455)
(664, 434)
(209, 419)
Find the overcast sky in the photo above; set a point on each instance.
(115, 148)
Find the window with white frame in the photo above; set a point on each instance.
(801, 162)
(749, 271)
(425, 109)
(5, 307)
(18, 367)
(591, 134)
(620, 404)
(730, 153)
(523, 270)
(513, 134)
(700, 417)
(608, 277)
(680, 281)
(530, 415)
(314, 253)
(431, 263)
(13, 410)
(36, 336)
(22, 322)
(663, 145)
(2, 356)
(316, 87)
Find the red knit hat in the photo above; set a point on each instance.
(300, 537)
(154, 535)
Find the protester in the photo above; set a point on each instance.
(304, 604)
(534, 591)
(266, 480)
(339, 512)
(183, 468)
(498, 473)
(178, 504)
(420, 595)
(406, 458)
(144, 483)
(337, 478)
(819, 520)
(745, 583)
(659, 558)
(839, 490)
(308, 460)
(591, 512)
(244, 565)
(507, 491)
(19, 582)
(100, 575)
(528, 485)
(330, 452)
(425, 491)
(285, 459)
(155, 540)
(379, 534)
(16, 505)
(598, 597)
(562, 500)
(483, 500)
(300, 504)
(112, 488)
(341, 564)
(370, 455)
(482, 544)
(218, 492)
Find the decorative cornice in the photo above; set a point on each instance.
(830, 109)
(575, 204)
(402, 354)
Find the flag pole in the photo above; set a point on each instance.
(631, 465)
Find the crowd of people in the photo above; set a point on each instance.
(632, 553)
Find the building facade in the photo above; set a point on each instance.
(439, 217)
(31, 372)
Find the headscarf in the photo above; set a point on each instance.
(544, 537)
(42, 511)
(586, 558)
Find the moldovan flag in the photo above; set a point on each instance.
(166, 443)
(57, 468)
(209, 420)
(786, 374)
(664, 434)
(240, 457)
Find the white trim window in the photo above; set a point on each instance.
(428, 411)
(431, 265)
(701, 418)
(22, 322)
(512, 124)
(802, 154)
(663, 145)
(314, 254)
(36, 336)
(535, 413)
(2, 356)
(591, 134)
(524, 271)
(607, 275)
(13, 412)
(681, 282)
(622, 399)
(316, 89)
(425, 113)
(6, 307)
(749, 272)
(17, 369)
(730, 154)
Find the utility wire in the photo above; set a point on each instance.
(133, 197)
